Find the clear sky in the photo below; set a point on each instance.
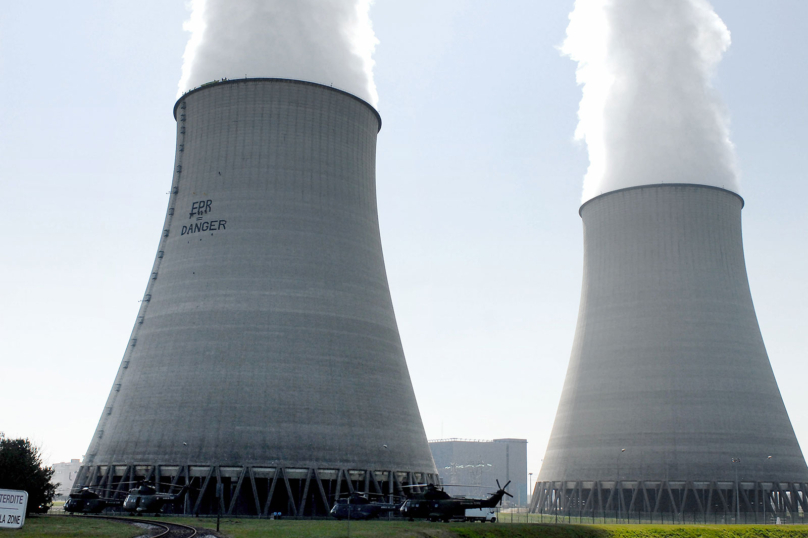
(479, 183)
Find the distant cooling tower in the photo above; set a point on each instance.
(670, 404)
(266, 356)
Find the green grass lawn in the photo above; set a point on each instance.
(80, 527)
(70, 527)
(254, 528)
(706, 531)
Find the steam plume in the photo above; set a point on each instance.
(325, 41)
(649, 113)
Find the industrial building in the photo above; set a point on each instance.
(64, 474)
(265, 357)
(670, 404)
(474, 466)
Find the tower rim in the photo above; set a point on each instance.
(213, 83)
(651, 185)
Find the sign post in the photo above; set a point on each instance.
(12, 508)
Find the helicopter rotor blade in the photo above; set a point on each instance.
(502, 489)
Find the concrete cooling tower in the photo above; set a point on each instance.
(670, 407)
(266, 357)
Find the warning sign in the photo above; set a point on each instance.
(12, 508)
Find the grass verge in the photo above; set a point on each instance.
(81, 527)
(706, 531)
(71, 527)
(255, 528)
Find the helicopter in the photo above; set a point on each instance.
(436, 505)
(87, 502)
(145, 499)
(359, 506)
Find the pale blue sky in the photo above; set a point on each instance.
(479, 183)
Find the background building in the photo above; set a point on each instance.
(670, 403)
(64, 474)
(265, 356)
(481, 463)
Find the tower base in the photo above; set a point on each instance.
(662, 501)
(250, 491)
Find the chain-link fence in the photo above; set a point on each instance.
(521, 515)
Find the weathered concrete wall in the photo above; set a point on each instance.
(668, 361)
(267, 334)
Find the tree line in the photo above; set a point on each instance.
(21, 468)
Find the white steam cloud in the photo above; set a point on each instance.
(326, 41)
(649, 113)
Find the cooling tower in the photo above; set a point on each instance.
(669, 380)
(266, 356)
